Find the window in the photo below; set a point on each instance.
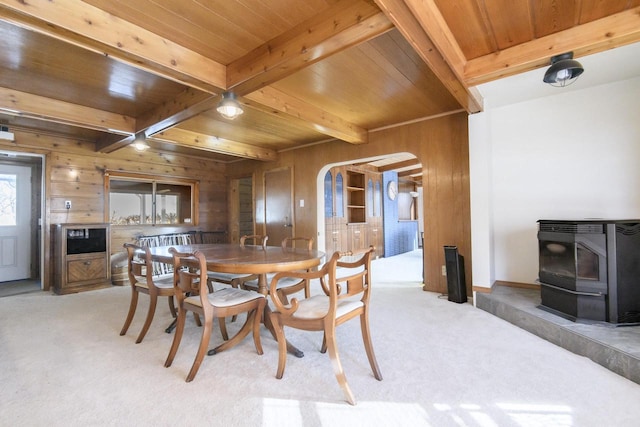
(8, 197)
(339, 196)
(328, 195)
(140, 199)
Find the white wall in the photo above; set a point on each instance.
(573, 155)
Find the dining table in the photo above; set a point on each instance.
(249, 259)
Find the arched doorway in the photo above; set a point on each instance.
(373, 201)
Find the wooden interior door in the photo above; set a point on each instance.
(241, 219)
(278, 205)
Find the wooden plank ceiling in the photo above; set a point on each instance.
(305, 71)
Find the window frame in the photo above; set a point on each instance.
(154, 180)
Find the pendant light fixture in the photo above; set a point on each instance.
(229, 107)
(140, 142)
(564, 70)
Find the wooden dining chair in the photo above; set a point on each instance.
(192, 294)
(143, 280)
(287, 285)
(343, 298)
(230, 278)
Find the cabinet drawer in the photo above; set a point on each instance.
(86, 268)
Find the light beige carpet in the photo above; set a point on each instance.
(62, 363)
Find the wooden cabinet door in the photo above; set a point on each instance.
(335, 235)
(329, 236)
(356, 237)
(86, 267)
(376, 237)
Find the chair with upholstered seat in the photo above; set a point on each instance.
(287, 285)
(230, 278)
(343, 298)
(143, 280)
(217, 304)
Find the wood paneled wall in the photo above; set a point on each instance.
(441, 145)
(75, 172)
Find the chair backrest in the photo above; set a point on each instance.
(354, 276)
(338, 279)
(188, 279)
(160, 268)
(254, 239)
(140, 266)
(294, 242)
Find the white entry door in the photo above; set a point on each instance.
(15, 219)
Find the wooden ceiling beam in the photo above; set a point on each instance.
(24, 104)
(415, 179)
(186, 105)
(214, 144)
(83, 25)
(344, 25)
(586, 39)
(410, 172)
(399, 165)
(278, 103)
(111, 142)
(424, 28)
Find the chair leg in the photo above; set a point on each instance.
(177, 337)
(247, 326)
(153, 300)
(223, 328)
(132, 311)
(197, 319)
(368, 346)
(257, 321)
(204, 343)
(337, 366)
(282, 344)
(172, 307)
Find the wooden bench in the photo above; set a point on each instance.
(119, 273)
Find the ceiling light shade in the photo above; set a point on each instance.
(140, 142)
(564, 70)
(229, 106)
